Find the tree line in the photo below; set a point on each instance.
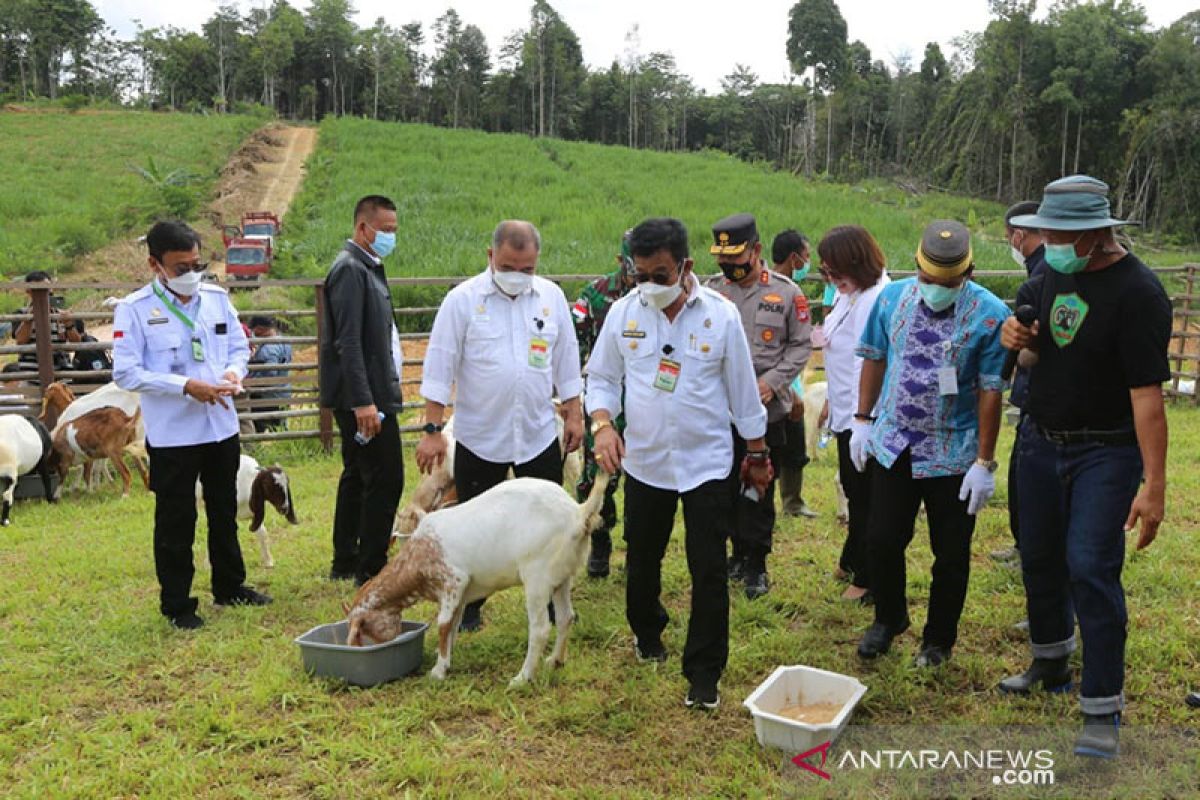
(1091, 87)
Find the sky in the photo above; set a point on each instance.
(707, 38)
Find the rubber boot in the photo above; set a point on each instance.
(597, 564)
(1052, 673)
(1101, 736)
(789, 490)
(754, 577)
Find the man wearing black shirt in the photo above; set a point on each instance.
(1093, 449)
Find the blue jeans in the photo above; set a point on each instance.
(1074, 502)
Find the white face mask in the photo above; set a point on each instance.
(1018, 257)
(661, 296)
(185, 284)
(511, 283)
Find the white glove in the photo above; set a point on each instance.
(860, 434)
(978, 486)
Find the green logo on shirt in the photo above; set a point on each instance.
(1066, 318)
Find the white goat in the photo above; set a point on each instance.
(24, 447)
(525, 530)
(256, 488)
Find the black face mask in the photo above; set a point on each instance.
(736, 272)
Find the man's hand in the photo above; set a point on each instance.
(367, 418)
(1015, 336)
(431, 452)
(765, 393)
(1150, 507)
(572, 428)
(609, 449)
(759, 473)
(233, 378)
(206, 392)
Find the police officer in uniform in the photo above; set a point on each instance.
(178, 343)
(775, 318)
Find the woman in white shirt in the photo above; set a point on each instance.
(852, 262)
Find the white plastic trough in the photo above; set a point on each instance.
(799, 684)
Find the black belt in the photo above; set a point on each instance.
(1085, 436)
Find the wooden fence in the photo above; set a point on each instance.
(303, 407)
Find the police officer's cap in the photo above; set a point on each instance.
(945, 250)
(732, 235)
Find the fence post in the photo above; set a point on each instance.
(42, 337)
(326, 420)
(1183, 340)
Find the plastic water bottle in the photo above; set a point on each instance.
(362, 440)
(824, 437)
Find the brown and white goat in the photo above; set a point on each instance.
(100, 433)
(257, 488)
(525, 530)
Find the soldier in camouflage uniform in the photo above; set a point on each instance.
(589, 312)
(776, 320)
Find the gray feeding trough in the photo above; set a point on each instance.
(325, 653)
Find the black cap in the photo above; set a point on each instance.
(732, 235)
(1021, 209)
(945, 250)
(261, 321)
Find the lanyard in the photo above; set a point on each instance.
(182, 317)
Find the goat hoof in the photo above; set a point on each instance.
(436, 674)
(553, 663)
(519, 681)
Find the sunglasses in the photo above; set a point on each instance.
(659, 278)
(183, 269)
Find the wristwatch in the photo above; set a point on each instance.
(431, 427)
(990, 466)
(599, 425)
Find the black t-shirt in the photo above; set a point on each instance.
(1101, 334)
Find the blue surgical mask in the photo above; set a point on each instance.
(384, 243)
(1062, 258)
(830, 295)
(939, 297)
(800, 274)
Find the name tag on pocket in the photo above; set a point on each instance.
(197, 351)
(667, 376)
(947, 381)
(539, 353)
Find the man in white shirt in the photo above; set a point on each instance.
(680, 353)
(177, 342)
(502, 343)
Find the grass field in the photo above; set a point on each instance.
(99, 698)
(68, 187)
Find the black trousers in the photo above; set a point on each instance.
(473, 476)
(367, 496)
(173, 475)
(753, 521)
(649, 517)
(857, 487)
(1014, 497)
(895, 498)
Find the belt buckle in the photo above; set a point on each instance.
(1057, 437)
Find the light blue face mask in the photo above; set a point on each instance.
(830, 295)
(384, 243)
(939, 297)
(800, 274)
(1062, 258)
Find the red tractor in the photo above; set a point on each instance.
(247, 259)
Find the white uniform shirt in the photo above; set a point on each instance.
(152, 355)
(505, 357)
(681, 439)
(843, 328)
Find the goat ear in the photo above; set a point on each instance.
(257, 501)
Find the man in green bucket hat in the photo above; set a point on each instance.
(1093, 451)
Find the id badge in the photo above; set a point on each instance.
(197, 351)
(947, 381)
(667, 376)
(539, 353)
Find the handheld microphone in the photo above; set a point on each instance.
(1026, 315)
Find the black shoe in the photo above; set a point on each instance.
(756, 582)
(703, 697)
(878, 639)
(244, 596)
(1193, 699)
(472, 619)
(932, 656)
(187, 622)
(1101, 737)
(737, 568)
(339, 575)
(597, 564)
(650, 651)
(1054, 674)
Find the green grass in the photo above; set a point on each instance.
(68, 188)
(99, 698)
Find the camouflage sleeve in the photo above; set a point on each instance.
(585, 327)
